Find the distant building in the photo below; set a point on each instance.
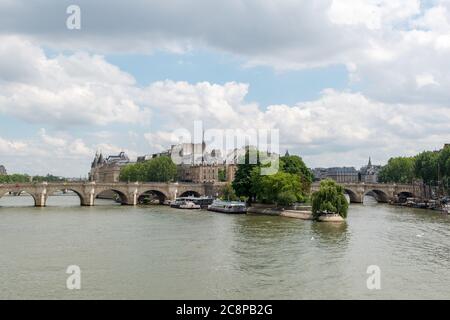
(343, 174)
(338, 174)
(188, 154)
(320, 173)
(3, 171)
(196, 164)
(369, 173)
(107, 170)
(206, 173)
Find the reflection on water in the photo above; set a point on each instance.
(159, 252)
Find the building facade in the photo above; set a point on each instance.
(197, 164)
(207, 173)
(3, 171)
(369, 173)
(107, 170)
(338, 174)
(343, 174)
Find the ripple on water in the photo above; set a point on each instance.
(159, 252)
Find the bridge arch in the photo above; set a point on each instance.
(161, 195)
(352, 195)
(122, 196)
(378, 195)
(190, 193)
(51, 192)
(18, 193)
(403, 195)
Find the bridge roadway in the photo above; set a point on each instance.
(382, 192)
(128, 193)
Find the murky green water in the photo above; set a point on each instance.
(157, 252)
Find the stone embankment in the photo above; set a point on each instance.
(303, 212)
(298, 212)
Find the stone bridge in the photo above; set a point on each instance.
(382, 192)
(128, 193)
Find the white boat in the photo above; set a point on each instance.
(189, 205)
(203, 202)
(228, 206)
(446, 208)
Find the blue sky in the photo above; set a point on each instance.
(341, 80)
(267, 86)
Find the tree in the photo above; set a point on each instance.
(398, 170)
(290, 184)
(222, 173)
(295, 165)
(132, 173)
(15, 178)
(444, 162)
(281, 188)
(160, 169)
(329, 199)
(228, 193)
(242, 183)
(426, 166)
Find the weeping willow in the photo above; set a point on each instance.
(329, 199)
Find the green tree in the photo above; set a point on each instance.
(295, 165)
(242, 183)
(15, 178)
(398, 170)
(281, 188)
(160, 169)
(444, 167)
(329, 199)
(426, 166)
(222, 175)
(228, 193)
(444, 162)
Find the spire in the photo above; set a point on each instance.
(370, 162)
(287, 153)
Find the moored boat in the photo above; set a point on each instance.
(203, 202)
(446, 208)
(228, 206)
(190, 205)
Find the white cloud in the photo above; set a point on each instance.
(396, 53)
(373, 14)
(53, 152)
(65, 90)
(11, 146)
(423, 80)
(337, 123)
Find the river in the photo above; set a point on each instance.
(156, 252)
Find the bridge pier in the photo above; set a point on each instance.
(40, 199)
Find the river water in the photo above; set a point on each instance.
(156, 252)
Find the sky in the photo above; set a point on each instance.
(341, 80)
